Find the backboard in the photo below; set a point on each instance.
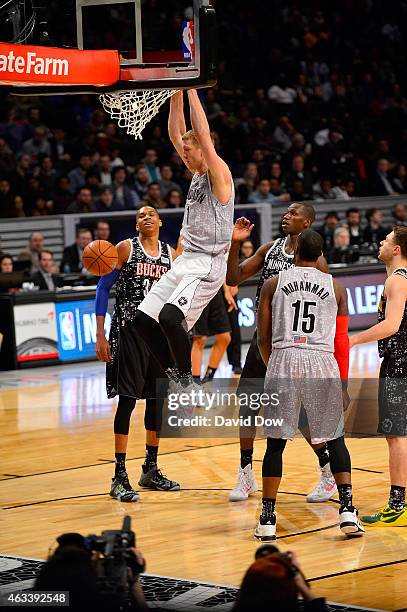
(153, 44)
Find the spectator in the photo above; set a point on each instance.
(282, 135)
(342, 252)
(262, 193)
(353, 223)
(153, 197)
(142, 181)
(298, 173)
(60, 150)
(246, 250)
(102, 230)
(6, 199)
(150, 161)
(47, 176)
(37, 145)
(18, 207)
(275, 582)
(93, 182)
(6, 263)
(399, 181)
(124, 197)
(281, 93)
(374, 233)
(380, 183)
(7, 161)
(166, 183)
(41, 207)
(297, 191)
(105, 171)
(323, 190)
(83, 203)
(344, 191)
(173, 199)
(72, 256)
(19, 178)
(63, 196)
(44, 278)
(276, 191)
(277, 173)
(105, 202)
(77, 176)
(247, 184)
(399, 214)
(31, 253)
(327, 229)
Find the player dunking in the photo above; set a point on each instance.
(302, 314)
(270, 259)
(391, 333)
(131, 371)
(175, 303)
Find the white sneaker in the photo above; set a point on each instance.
(266, 528)
(350, 524)
(326, 487)
(246, 485)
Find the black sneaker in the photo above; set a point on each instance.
(122, 490)
(237, 369)
(155, 479)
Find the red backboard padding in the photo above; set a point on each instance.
(28, 65)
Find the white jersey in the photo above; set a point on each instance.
(207, 225)
(304, 310)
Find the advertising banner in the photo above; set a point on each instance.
(36, 331)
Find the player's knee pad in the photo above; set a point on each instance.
(339, 458)
(153, 414)
(124, 409)
(171, 317)
(273, 458)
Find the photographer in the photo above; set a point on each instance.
(274, 582)
(99, 572)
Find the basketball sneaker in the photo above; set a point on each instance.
(122, 490)
(386, 517)
(326, 487)
(266, 528)
(349, 522)
(246, 485)
(155, 479)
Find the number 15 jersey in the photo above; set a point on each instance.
(304, 310)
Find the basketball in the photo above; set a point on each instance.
(100, 257)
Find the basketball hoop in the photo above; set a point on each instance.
(134, 109)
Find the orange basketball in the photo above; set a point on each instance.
(100, 257)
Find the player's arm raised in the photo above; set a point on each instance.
(104, 285)
(221, 178)
(176, 121)
(396, 297)
(238, 272)
(264, 318)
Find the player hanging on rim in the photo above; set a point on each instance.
(391, 334)
(131, 371)
(175, 303)
(302, 319)
(270, 259)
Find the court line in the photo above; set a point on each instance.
(359, 569)
(79, 467)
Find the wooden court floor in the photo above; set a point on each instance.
(55, 469)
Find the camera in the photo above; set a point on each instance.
(112, 560)
(269, 549)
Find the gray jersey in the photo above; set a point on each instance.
(207, 225)
(304, 310)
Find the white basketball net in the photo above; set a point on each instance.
(134, 109)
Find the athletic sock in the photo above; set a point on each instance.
(209, 374)
(323, 456)
(345, 495)
(246, 457)
(120, 464)
(397, 499)
(268, 506)
(151, 457)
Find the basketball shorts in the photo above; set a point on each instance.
(214, 318)
(393, 396)
(251, 384)
(191, 283)
(134, 372)
(309, 378)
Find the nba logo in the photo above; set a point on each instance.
(67, 327)
(188, 40)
